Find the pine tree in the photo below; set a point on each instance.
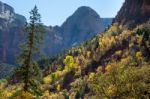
(29, 69)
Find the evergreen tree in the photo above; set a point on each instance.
(29, 69)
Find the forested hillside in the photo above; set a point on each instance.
(114, 64)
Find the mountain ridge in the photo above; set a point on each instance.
(56, 39)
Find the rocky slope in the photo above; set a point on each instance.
(134, 12)
(82, 25)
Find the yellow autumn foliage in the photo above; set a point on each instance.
(108, 68)
(5, 94)
(91, 76)
(47, 79)
(69, 62)
(55, 96)
(139, 55)
(118, 52)
(111, 90)
(88, 54)
(58, 87)
(46, 95)
(24, 95)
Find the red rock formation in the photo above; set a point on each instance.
(146, 6)
(133, 12)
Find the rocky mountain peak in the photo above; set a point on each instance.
(83, 13)
(6, 12)
(83, 23)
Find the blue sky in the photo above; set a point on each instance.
(55, 12)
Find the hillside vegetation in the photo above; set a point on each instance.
(114, 64)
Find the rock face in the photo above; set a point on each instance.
(134, 12)
(6, 12)
(10, 33)
(82, 25)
